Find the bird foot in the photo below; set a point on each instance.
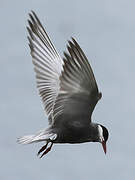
(45, 149)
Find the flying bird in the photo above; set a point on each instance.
(68, 89)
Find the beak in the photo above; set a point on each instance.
(104, 146)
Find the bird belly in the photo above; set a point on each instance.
(71, 135)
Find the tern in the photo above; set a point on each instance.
(68, 89)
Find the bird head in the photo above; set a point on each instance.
(103, 136)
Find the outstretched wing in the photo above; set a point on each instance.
(47, 62)
(78, 88)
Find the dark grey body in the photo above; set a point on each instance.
(75, 131)
(74, 125)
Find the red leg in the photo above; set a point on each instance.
(42, 149)
(47, 150)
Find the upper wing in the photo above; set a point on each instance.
(78, 88)
(47, 62)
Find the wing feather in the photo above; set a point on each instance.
(48, 64)
(67, 86)
(78, 88)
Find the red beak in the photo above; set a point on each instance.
(104, 146)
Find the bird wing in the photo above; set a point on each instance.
(78, 93)
(47, 63)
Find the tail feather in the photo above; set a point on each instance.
(43, 135)
(26, 139)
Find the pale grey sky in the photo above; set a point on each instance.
(106, 32)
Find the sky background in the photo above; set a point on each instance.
(106, 32)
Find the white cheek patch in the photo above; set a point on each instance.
(100, 130)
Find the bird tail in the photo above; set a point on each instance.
(43, 135)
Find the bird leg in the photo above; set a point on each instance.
(46, 150)
(42, 149)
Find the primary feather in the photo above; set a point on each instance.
(47, 63)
